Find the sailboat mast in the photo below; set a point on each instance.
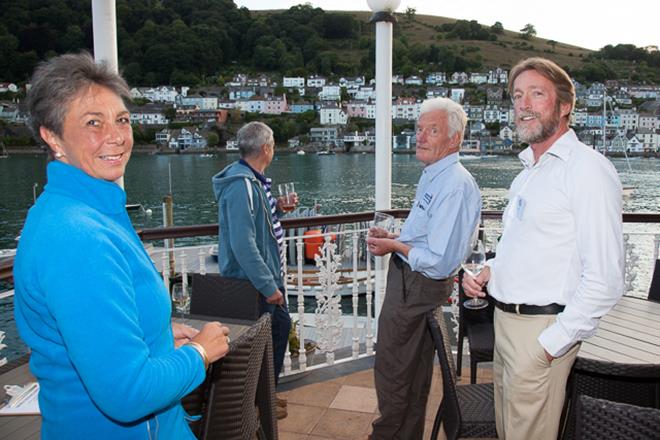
(604, 121)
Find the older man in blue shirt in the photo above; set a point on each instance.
(434, 240)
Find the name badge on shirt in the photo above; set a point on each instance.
(520, 207)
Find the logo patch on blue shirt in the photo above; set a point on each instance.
(425, 202)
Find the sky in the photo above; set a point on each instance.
(586, 23)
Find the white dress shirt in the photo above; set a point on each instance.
(562, 240)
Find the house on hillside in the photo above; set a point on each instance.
(330, 92)
(301, 107)
(316, 81)
(324, 135)
(186, 138)
(150, 114)
(275, 105)
(332, 114)
(436, 78)
(9, 87)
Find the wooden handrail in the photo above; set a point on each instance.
(149, 234)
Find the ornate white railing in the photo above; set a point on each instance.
(333, 297)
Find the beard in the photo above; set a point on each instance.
(536, 133)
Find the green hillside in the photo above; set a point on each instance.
(205, 42)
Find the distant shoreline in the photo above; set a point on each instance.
(151, 149)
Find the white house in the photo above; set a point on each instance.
(413, 81)
(579, 117)
(256, 104)
(629, 118)
(478, 78)
(293, 81)
(506, 133)
(405, 108)
(316, 81)
(649, 120)
(330, 92)
(160, 94)
(365, 93)
(436, 78)
(149, 114)
(201, 102)
(649, 139)
(8, 87)
(331, 114)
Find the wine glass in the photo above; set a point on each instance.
(181, 298)
(288, 192)
(384, 221)
(472, 265)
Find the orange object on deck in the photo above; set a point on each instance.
(312, 244)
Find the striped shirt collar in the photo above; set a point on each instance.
(256, 173)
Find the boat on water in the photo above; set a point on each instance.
(325, 153)
(300, 152)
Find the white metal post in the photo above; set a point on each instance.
(384, 19)
(104, 24)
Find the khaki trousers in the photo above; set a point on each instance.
(529, 390)
(404, 352)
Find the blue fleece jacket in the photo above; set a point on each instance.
(96, 315)
(247, 246)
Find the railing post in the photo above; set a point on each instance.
(202, 261)
(369, 337)
(302, 354)
(380, 281)
(356, 338)
(184, 271)
(287, 354)
(166, 270)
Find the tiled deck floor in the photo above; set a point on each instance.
(343, 407)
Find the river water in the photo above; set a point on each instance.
(340, 183)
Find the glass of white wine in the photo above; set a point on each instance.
(472, 265)
(181, 298)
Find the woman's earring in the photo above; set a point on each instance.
(59, 155)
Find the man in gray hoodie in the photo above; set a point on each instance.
(251, 239)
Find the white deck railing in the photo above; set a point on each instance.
(343, 269)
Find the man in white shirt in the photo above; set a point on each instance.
(559, 265)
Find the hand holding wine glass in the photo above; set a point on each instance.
(288, 198)
(473, 265)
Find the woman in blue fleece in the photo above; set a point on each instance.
(89, 302)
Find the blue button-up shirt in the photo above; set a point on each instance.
(443, 218)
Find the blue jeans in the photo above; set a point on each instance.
(280, 327)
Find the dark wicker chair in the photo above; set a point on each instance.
(241, 398)
(465, 410)
(637, 384)
(214, 295)
(477, 326)
(599, 419)
(654, 290)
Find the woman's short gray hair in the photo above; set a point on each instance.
(251, 137)
(58, 81)
(456, 117)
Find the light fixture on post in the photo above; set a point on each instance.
(384, 18)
